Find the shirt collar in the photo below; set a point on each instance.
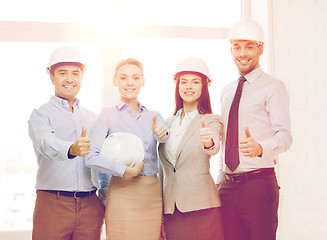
(120, 105)
(189, 115)
(251, 76)
(63, 103)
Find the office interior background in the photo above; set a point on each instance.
(160, 34)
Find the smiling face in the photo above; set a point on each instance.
(190, 89)
(129, 80)
(67, 80)
(246, 55)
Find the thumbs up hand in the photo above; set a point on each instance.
(157, 129)
(206, 135)
(248, 146)
(82, 145)
(83, 131)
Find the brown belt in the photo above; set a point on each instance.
(241, 177)
(75, 194)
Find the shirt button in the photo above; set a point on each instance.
(174, 170)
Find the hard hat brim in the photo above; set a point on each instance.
(54, 66)
(201, 75)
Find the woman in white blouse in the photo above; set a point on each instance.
(191, 200)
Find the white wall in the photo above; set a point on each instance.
(300, 60)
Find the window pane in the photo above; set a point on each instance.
(53, 11)
(204, 13)
(25, 85)
(209, 13)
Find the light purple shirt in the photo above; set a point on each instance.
(264, 108)
(120, 119)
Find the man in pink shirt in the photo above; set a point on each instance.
(256, 129)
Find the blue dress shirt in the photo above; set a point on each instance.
(53, 128)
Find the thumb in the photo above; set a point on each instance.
(83, 131)
(247, 132)
(154, 120)
(203, 122)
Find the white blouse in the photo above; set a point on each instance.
(177, 131)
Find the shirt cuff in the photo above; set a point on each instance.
(212, 150)
(119, 169)
(69, 155)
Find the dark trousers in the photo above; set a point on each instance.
(250, 208)
(203, 224)
(66, 218)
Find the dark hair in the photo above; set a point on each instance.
(204, 105)
(54, 66)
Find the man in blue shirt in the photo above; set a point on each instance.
(66, 207)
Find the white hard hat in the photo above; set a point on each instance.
(66, 54)
(193, 65)
(247, 29)
(123, 147)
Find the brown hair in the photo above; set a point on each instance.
(204, 105)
